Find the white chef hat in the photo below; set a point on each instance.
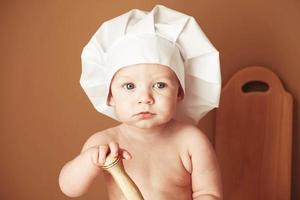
(162, 36)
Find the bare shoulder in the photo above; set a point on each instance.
(191, 136)
(100, 137)
(188, 132)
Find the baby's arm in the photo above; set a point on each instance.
(78, 174)
(206, 178)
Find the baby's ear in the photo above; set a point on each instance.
(180, 93)
(110, 100)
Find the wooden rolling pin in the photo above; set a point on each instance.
(115, 167)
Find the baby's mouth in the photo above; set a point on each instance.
(145, 115)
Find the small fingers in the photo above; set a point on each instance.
(95, 155)
(114, 149)
(99, 156)
(125, 154)
(103, 150)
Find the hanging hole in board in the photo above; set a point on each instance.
(255, 86)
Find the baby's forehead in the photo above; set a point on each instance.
(147, 69)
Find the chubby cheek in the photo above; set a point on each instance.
(124, 108)
(167, 106)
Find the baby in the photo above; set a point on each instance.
(140, 79)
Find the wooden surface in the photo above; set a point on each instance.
(254, 137)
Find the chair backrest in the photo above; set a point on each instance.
(254, 136)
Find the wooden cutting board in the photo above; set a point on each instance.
(254, 136)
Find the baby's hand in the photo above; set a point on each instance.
(100, 153)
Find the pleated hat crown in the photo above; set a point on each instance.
(161, 36)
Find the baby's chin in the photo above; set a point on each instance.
(147, 123)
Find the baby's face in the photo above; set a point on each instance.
(144, 95)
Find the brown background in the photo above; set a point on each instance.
(46, 117)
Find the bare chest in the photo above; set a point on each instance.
(157, 171)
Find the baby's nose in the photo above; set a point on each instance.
(146, 98)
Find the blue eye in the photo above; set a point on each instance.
(128, 86)
(160, 85)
